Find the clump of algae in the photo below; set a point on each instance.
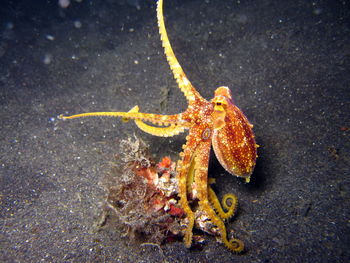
(143, 194)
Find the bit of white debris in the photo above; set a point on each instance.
(47, 59)
(77, 24)
(63, 3)
(50, 37)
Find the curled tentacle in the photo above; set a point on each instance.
(235, 245)
(217, 206)
(168, 131)
(160, 131)
(233, 206)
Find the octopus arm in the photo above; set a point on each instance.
(173, 129)
(231, 208)
(184, 84)
(201, 183)
(169, 131)
(133, 115)
(184, 169)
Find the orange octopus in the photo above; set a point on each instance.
(218, 123)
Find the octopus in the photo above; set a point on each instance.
(218, 124)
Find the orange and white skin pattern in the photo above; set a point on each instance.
(217, 123)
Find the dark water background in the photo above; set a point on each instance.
(287, 64)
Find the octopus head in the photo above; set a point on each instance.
(220, 102)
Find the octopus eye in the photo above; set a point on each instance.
(219, 104)
(206, 134)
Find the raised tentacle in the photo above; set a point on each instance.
(201, 181)
(184, 84)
